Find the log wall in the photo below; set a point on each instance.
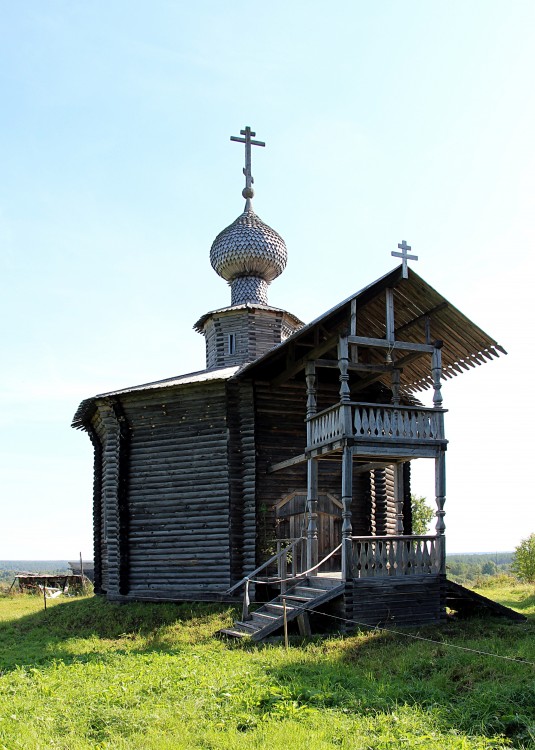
(242, 478)
(107, 428)
(256, 330)
(166, 493)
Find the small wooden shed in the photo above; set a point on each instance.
(294, 444)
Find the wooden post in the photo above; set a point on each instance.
(312, 473)
(245, 608)
(285, 618)
(44, 595)
(312, 510)
(347, 496)
(283, 572)
(436, 372)
(440, 499)
(399, 497)
(440, 461)
(390, 327)
(345, 391)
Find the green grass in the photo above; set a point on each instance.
(90, 674)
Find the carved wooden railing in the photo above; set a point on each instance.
(381, 422)
(398, 422)
(382, 556)
(326, 426)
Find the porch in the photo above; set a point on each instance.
(376, 430)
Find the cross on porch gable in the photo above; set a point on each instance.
(404, 255)
(249, 135)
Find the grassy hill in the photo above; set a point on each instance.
(89, 674)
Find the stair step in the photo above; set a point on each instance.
(307, 592)
(249, 625)
(295, 598)
(234, 633)
(278, 608)
(264, 617)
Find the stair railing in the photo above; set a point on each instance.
(281, 580)
(278, 557)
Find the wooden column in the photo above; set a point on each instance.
(440, 461)
(347, 456)
(347, 496)
(312, 473)
(345, 392)
(440, 498)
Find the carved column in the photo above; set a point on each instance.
(440, 499)
(312, 473)
(347, 496)
(345, 391)
(440, 461)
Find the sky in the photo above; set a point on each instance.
(383, 121)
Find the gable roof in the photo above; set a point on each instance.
(465, 345)
(85, 410)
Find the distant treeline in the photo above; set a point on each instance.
(469, 567)
(462, 568)
(10, 568)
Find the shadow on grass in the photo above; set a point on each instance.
(457, 691)
(40, 637)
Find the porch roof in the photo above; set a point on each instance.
(465, 345)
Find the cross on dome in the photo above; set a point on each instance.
(404, 255)
(248, 191)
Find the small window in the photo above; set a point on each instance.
(231, 343)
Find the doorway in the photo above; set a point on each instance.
(291, 522)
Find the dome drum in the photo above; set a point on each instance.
(250, 289)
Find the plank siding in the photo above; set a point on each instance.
(387, 602)
(178, 490)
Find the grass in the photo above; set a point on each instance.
(90, 674)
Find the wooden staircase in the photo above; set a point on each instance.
(309, 593)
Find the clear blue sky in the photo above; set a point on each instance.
(383, 121)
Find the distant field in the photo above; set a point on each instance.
(89, 674)
(9, 568)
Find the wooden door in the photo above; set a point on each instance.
(292, 522)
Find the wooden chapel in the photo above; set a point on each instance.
(284, 466)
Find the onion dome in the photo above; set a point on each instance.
(248, 254)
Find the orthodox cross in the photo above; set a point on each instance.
(404, 255)
(248, 192)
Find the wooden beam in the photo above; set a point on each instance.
(390, 314)
(299, 365)
(408, 346)
(356, 367)
(272, 468)
(421, 317)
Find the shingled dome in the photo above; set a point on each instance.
(249, 255)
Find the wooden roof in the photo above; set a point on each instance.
(465, 345)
